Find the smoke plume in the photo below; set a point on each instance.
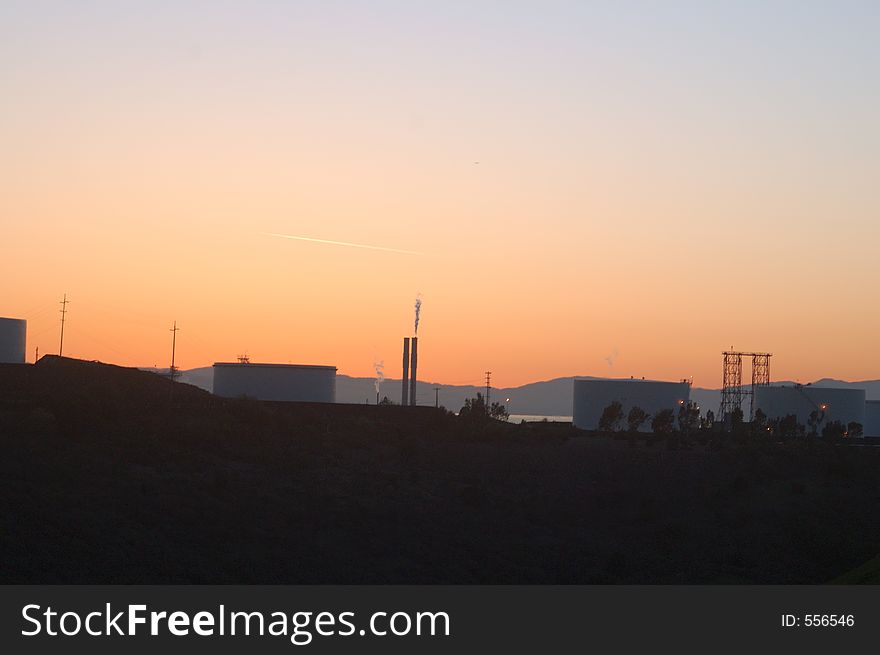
(612, 358)
(418, 311)
(380, 374)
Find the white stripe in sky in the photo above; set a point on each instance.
(341, 243)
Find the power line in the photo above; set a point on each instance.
(37, 310)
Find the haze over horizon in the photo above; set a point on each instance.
(604, 190)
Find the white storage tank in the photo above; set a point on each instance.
(591, 397)
(844, 405)
(286, 382)
(13, 336)
(872, 418)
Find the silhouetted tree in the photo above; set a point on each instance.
(710, 420)
(611, 417)
(385, 401)
(499, 412)
(688, 417)
(475, 409)
(855, 430)
(663, 422)
(833, 430)
(759, 422)
(737, 418)
(813, 422)
(760, 418)
(789, 428)
(636, 417)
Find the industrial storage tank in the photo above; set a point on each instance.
(286, 382)
(832, 404)
(591, 397)
(872, 418)
(13, 336)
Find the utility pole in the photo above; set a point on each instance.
(488, 387)
(173, 331)
(436, 396)
(63, 316)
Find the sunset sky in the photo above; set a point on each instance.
(596, 188)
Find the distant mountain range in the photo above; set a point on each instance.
(548, 398)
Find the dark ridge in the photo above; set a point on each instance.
(108, 478)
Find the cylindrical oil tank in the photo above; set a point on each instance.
(286, 382)
(591, 397)
(872, 418)
(13, 339)
(844, 405)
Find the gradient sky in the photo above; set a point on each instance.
(656, 182)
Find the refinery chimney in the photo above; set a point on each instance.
(404, 396)
(412, 372)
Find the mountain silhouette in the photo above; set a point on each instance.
(544, 398)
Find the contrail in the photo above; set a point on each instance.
(341, 243)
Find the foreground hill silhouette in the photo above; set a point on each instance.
(107, 478)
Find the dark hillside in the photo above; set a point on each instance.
(107, 478)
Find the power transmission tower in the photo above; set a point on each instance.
(63, 316)
(732, 390)
(760, 377)
(488, 387)
(731, 387)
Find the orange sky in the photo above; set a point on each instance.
(662, 205)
